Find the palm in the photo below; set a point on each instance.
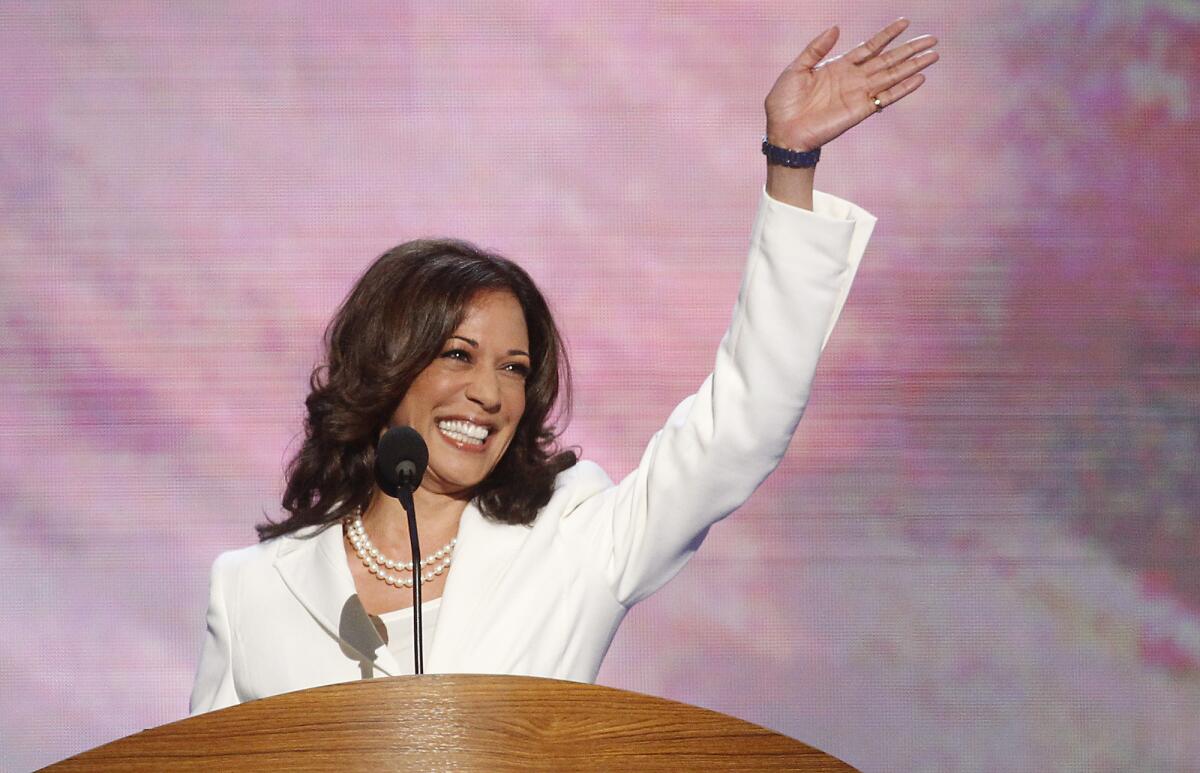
(814, 102)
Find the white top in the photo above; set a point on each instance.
(398, 626)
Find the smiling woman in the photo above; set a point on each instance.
(541, 556)
(468, 402)
(427, 318)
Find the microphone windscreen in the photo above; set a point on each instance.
(400, 460)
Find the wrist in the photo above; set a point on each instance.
(791, 186)
(778, 155)
(788, 136)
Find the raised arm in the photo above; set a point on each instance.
(720, 443)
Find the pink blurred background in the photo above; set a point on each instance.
(982, 552)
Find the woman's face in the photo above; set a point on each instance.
(467, 403)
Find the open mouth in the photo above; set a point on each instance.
(464, 433)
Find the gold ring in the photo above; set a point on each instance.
(878, 104)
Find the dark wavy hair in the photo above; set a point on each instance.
(392, 325)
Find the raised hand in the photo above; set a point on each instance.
(813, 102)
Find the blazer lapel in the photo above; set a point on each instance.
(314, 569)
(483, 556)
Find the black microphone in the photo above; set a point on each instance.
(400, 461)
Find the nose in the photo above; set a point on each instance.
(483, 389)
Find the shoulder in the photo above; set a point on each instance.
(581, 472)
(572, 487)
(253, 559)
(575, 485)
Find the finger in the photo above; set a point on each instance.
(899, 91)
(817, 50)
(879, 41)
(899, 54)
(897, 74)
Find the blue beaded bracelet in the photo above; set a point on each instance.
(794, 159)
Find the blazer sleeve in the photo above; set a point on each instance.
(719, 444)
(214, 687)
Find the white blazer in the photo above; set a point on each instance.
(546, 599)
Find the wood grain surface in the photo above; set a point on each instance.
(457, 722)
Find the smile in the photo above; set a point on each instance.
(465, 432)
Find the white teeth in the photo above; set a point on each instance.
(464, 431)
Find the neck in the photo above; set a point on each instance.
(438, 517)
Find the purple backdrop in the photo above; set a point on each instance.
(983, 550)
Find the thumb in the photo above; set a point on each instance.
(817, 50)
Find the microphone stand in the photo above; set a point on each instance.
(405, 495)
(400, 461)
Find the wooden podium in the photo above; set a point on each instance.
(457, 722)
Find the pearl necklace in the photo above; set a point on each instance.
(379, 565)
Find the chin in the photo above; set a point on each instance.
(456, 478)
(456, 467)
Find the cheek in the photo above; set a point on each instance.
(400, 415)
(518, 403)
(409, 406)
(427, 390)
(514, 411)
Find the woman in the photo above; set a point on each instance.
(535, 558)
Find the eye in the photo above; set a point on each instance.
(519, 368)
(457, 354)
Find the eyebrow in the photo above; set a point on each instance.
(475, 344)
